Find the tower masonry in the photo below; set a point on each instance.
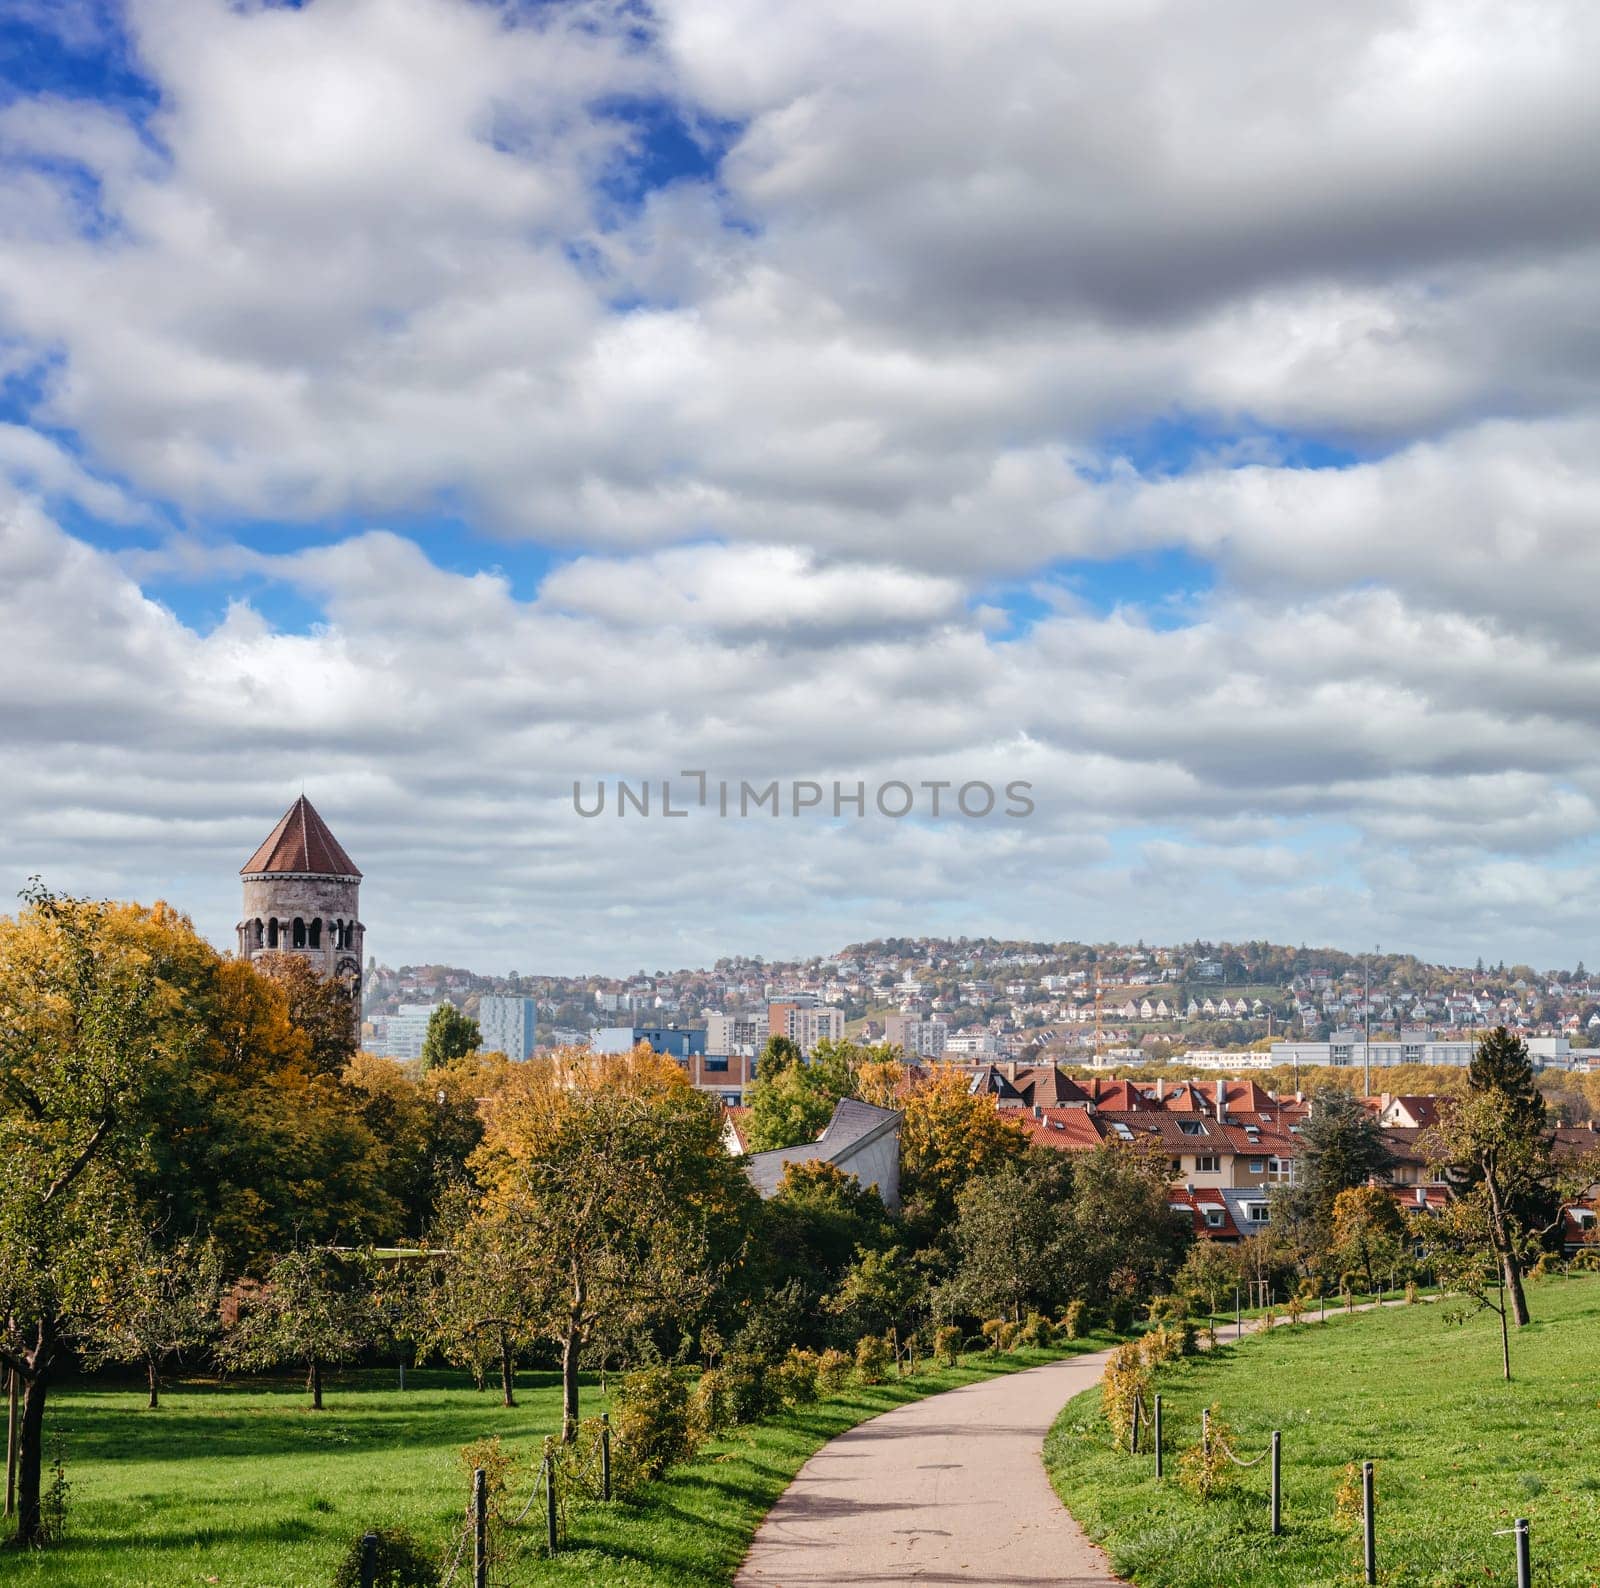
(302, 896)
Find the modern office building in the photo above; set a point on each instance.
(917, 1039)
(400, 1035)
(508, 1025)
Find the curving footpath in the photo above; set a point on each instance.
(946, 1490)
(950, 1489)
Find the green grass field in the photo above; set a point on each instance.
(240, 1486)
(1459, 1453)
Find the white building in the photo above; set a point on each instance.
(736, 1033)
(1350, 1048)
(401, 1035)
(973, 1045)
(917, 1039)
(508, 1025)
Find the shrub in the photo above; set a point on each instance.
(1188, 1338)
(1168, 1309)
(650, 1425)
(749, 1396)
(947, 1344)
(795, 1378)
(1038, 1330)
(1586, 1262)
(872, 1358)
(1120, 1315)
(709, 1411)
(1127, 1376)
(1075, 1320)
(993, 1331)
(402, 1562)
(833, 1371)
(1347, 1498)
(1295, 1308)
(495, 1461)
(1160, 1345)
(1204, 1469)
(1411, 1292)
(57, 1492)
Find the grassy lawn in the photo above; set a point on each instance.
(240, 1486)
(1459, 1453)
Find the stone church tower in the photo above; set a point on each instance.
(301, 896)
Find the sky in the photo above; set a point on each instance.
(430, 404)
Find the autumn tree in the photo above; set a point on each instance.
(1123, 1240)
(83, 1007)
(948, 1136)
(151, 1302)
(451, 1035)
(314, 1309)
(319, 1007)
(610, 1171)
(1368, 1229)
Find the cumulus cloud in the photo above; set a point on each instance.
(1228, 772)
(930, 312)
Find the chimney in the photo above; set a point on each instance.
(1161, 1089)
(1222, 1099)
(1422, 1196)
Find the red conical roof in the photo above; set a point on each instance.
(301, 842)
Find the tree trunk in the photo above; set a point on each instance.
(153, 1379)
(1505, 1248)
(570, 1349)
(30, 1462)
(314, 1384)
(507, 1374)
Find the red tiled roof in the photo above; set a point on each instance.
(1070, 1129)
(300, 842)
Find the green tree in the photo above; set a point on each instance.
(809, 1231)
(150, 1303)
(777, 1055)
(451, 1035)
(476, 1301)
(1209, 1276)
(1009, 1239)
(314, 1309)
(881, 1292)
(1123, 1241)
(791, 1104)
(1342, 1146)
(1496, 1140)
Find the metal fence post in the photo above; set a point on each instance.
(1369, 1523)
(369, 1560)
(605, 1455)
(1277, 1483)
(480, 1528)
(1524, 1554)
(1158, 1436)
(550, 1502)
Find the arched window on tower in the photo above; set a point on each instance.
(272, 933)
(316, 933)
(260, 933)
(299, 933)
